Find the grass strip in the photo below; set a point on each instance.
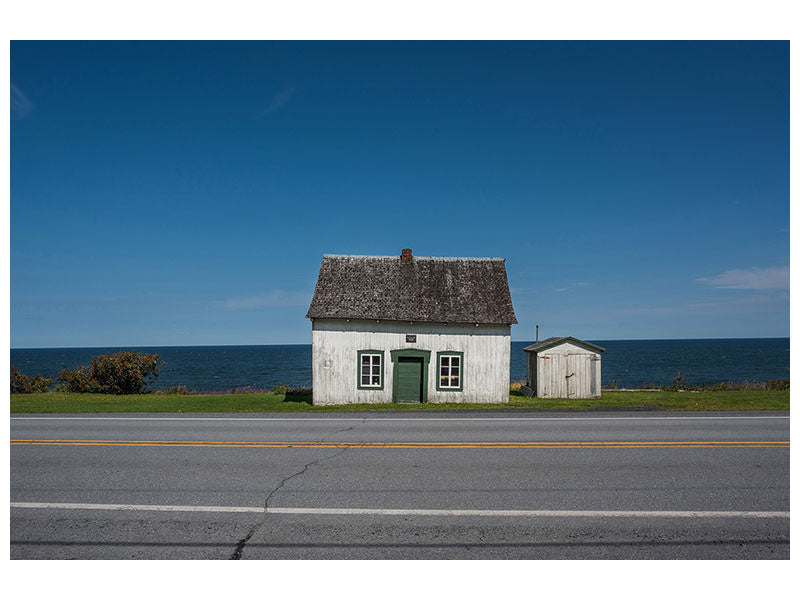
(60, 402)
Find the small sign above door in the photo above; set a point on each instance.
(411, 339)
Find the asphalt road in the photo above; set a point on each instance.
(425, 486)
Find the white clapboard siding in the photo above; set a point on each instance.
(336, 342)
(565, 371)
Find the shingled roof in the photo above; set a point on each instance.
(421, 288)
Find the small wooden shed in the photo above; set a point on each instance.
(564, 367)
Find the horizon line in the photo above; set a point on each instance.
(133, 346)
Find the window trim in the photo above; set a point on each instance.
(439, 356)
(373, 388)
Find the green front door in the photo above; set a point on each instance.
(408, 379)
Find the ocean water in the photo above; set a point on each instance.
(626, 363)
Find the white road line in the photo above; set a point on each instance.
(420, 512)
(419, 419)
(137, 507)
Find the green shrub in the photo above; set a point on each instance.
(778, 384)
(679, 383)
(77, 380)
(126, 372)
(22, 384)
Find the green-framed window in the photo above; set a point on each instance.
(450, 371)
(370, 369)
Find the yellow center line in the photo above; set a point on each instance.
(444, 445)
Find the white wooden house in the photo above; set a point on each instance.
(564, 367)
(410, 329)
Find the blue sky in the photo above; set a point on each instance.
(183, 193)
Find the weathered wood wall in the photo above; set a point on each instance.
(566, 371)
(336, 342)
(530, 369)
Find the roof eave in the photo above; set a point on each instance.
(540, 346)
(377, 318)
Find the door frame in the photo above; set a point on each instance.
(425, 355)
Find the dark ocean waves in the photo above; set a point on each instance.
(626, 363)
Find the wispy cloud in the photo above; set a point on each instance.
(21, 107)
(770, 278)
(279, 100)
(267, 299)
(714, 305)
(571, 285)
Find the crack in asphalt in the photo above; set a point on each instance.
(337, 431)
(237, 553)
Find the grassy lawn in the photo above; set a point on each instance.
(54, 402)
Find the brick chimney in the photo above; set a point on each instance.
(406, 255)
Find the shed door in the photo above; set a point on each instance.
(408, 379)
(577, 375)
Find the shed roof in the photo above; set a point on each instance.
(423, 288)
(555, 341)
